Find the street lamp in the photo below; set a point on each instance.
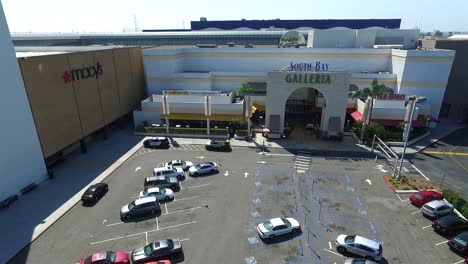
(412, 101)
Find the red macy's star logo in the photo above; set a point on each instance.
(67, 77)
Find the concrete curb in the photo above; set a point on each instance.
(62, 210)
(388, 183)
(406, 191)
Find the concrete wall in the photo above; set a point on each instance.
(65, 112)
(21, 160)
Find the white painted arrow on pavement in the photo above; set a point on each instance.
(137, 169)
(246, 174)
(261, 161)
(369, 182)
(226, 173)
(201, 157)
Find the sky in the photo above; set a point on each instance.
(117, 15)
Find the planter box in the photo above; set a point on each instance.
(182, 135)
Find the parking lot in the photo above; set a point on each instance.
(215, 215)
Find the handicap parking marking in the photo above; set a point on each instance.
(253, 240)
(255, 214)
(251, 260)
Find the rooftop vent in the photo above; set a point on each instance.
(207, 46)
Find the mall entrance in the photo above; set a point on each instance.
(303, 113)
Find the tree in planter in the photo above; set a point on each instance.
(243, 89)
(374, 129)
(372, 92)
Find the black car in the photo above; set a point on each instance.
(94, 192)
(162, 249)
(459, 243)
(449, 224)
(218, 145)
(162, 182)
(156, 142)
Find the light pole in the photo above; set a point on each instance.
(412, 101)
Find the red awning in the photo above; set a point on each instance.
(350, 110)
(356, 115)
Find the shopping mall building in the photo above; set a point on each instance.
(307, 83)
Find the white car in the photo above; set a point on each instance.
(161, 194)
(277, 227)
(177, 173)
(203, 168)
(364, 247)
(182, 164)
(437, 208)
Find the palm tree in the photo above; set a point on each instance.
(371, 93)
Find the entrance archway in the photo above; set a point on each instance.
(303, 112)
(334, 87)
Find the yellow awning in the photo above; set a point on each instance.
(258, 107)
(216, 117)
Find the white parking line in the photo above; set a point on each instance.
(302, 158)
(461, 261)
(329, 244)
(443, 242)
(184, 239)
(196, 186)
(401, 200)
(190, 147)
(301, 162)
(141, 233)
(192, 197)
(185, 210)
(422, 174)
(333, 252)
(157, 223)
(115, 224)
(416, 212)
(424, 227)
(146, 234)
(165, 205)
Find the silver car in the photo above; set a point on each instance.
(437, 208)
(203, 168)
(177, 173)
(182, 164)
(161, 194)
(139, 207)
(361, 246)
(358, 261)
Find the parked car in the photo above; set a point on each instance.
(358, 261)
(182, 164)
(203, 168)
(109, 257)
(167, 249)
(156, 142)
(436, 209)
(161, 194)
(177, 173)
(159, 262)
(449, 224)
(162, 182)
(218, 144)
(422, 197)
(94, 192)
(364, 247)
(139, 207)
(466, 260)
(277, 227)
(459, 243)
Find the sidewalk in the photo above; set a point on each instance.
(36, 211)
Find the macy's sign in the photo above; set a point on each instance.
(83, 73)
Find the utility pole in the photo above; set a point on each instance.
(412, 100)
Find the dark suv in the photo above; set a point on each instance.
(162, 182)
(218, 144)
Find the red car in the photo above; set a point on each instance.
(159, 262)
(466, 260)
(422, 197)
(109, 257)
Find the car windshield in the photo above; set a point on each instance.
(167, 178)
(174, 170)
(145, 192)
(169, 163)
(268, 225)
(420, 196)
(288, 224)
(428, 207)
(131, 205)
(170, 244)
(360, 261)
(183, 163)
(349, 239)
(162, 190)
(463, 240)
(111, 256)
(148, 250)
(88, 260)
(198, 166)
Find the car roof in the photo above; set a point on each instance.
(463, 235)
(152, 178)
(145, 200)
(367, 242)
(437, 203)
(99, 256)
(207, 163)
(449, 219)
(276, 221)
(158, 138)
(153, 189)
(427, 193)
(162, 168)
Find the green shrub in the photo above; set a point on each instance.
(460, 204)
(242, 133)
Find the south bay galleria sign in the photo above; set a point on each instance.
(308, 78)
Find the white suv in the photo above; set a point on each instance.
(437, 208)
(367, 248)
(170, 172)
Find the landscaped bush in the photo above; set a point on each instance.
(181, 130)
(242, 133)
(454, 198)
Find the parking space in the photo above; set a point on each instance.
(216, 216)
